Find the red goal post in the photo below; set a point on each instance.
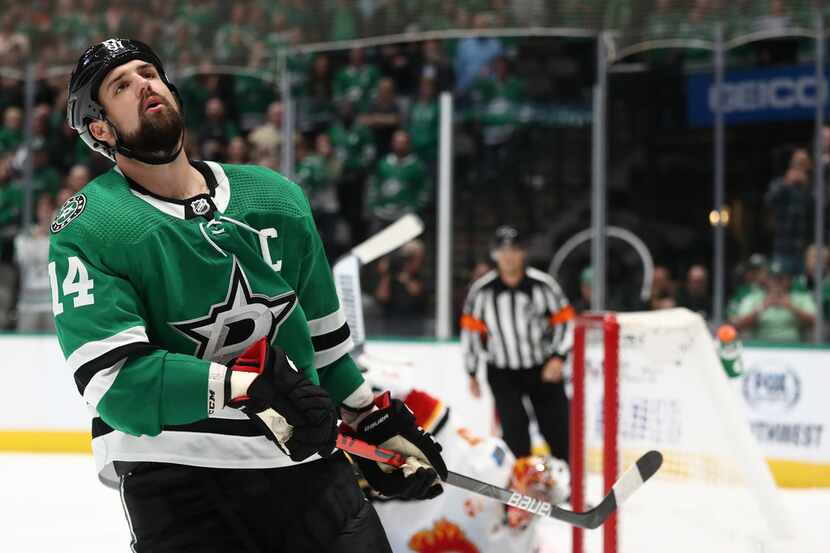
(610, 327)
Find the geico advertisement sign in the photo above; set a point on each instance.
(747, 96)
(778, 93)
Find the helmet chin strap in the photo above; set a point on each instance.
(152, 159)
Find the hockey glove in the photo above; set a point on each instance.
(393, 426)
(292, 412)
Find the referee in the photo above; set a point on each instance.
(518, 323)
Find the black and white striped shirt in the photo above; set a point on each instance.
(515, 328)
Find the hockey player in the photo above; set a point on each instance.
(196, 309)
(459, 520)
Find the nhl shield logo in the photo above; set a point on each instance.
(70, 211)
(200, 206)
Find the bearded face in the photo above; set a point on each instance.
(159, 128)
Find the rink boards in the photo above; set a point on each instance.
(783, 392)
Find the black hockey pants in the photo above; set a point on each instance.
(312, 507)
(550, 404)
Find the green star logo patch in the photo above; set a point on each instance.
(70, 211)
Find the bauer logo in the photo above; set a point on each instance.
(530, 504)
(778, 388)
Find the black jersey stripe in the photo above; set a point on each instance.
(83, 375)
(227, 427)
(331, 339)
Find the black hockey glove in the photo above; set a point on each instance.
(292, 412)
(393, 426)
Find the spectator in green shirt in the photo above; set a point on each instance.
(499, 98)
(752, 278)
(775, 313)
(357, 81)
(399, 186)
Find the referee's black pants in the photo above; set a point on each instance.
(549, 403)
(311, 507)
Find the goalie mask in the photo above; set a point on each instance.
(543, 478)
(84, 107)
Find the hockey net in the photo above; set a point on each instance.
(653, 380)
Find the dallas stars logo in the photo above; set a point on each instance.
(239, 321)
(70, 211)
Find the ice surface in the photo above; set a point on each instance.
(54, 503)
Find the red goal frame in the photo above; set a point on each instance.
(610, 327)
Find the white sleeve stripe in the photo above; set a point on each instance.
(101, 383)
(329, 356)
(327, 324)
(93, 350)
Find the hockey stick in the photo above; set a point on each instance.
(634, 477)
(347, 270)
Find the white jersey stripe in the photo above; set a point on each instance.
(133, 537)
(504, 305)
(222, 194)
(327, 324)
(199, 449)
(521, 306)
(495, 343)
(93, 350)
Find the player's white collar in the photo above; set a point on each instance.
(221, 194)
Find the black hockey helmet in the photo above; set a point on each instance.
(83, 105)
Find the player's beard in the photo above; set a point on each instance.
(158, 134)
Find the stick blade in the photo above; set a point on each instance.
(649, 464)
(636, 475)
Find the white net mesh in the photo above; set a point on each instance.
(714, 491)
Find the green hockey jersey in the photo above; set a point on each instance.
(151, 295)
